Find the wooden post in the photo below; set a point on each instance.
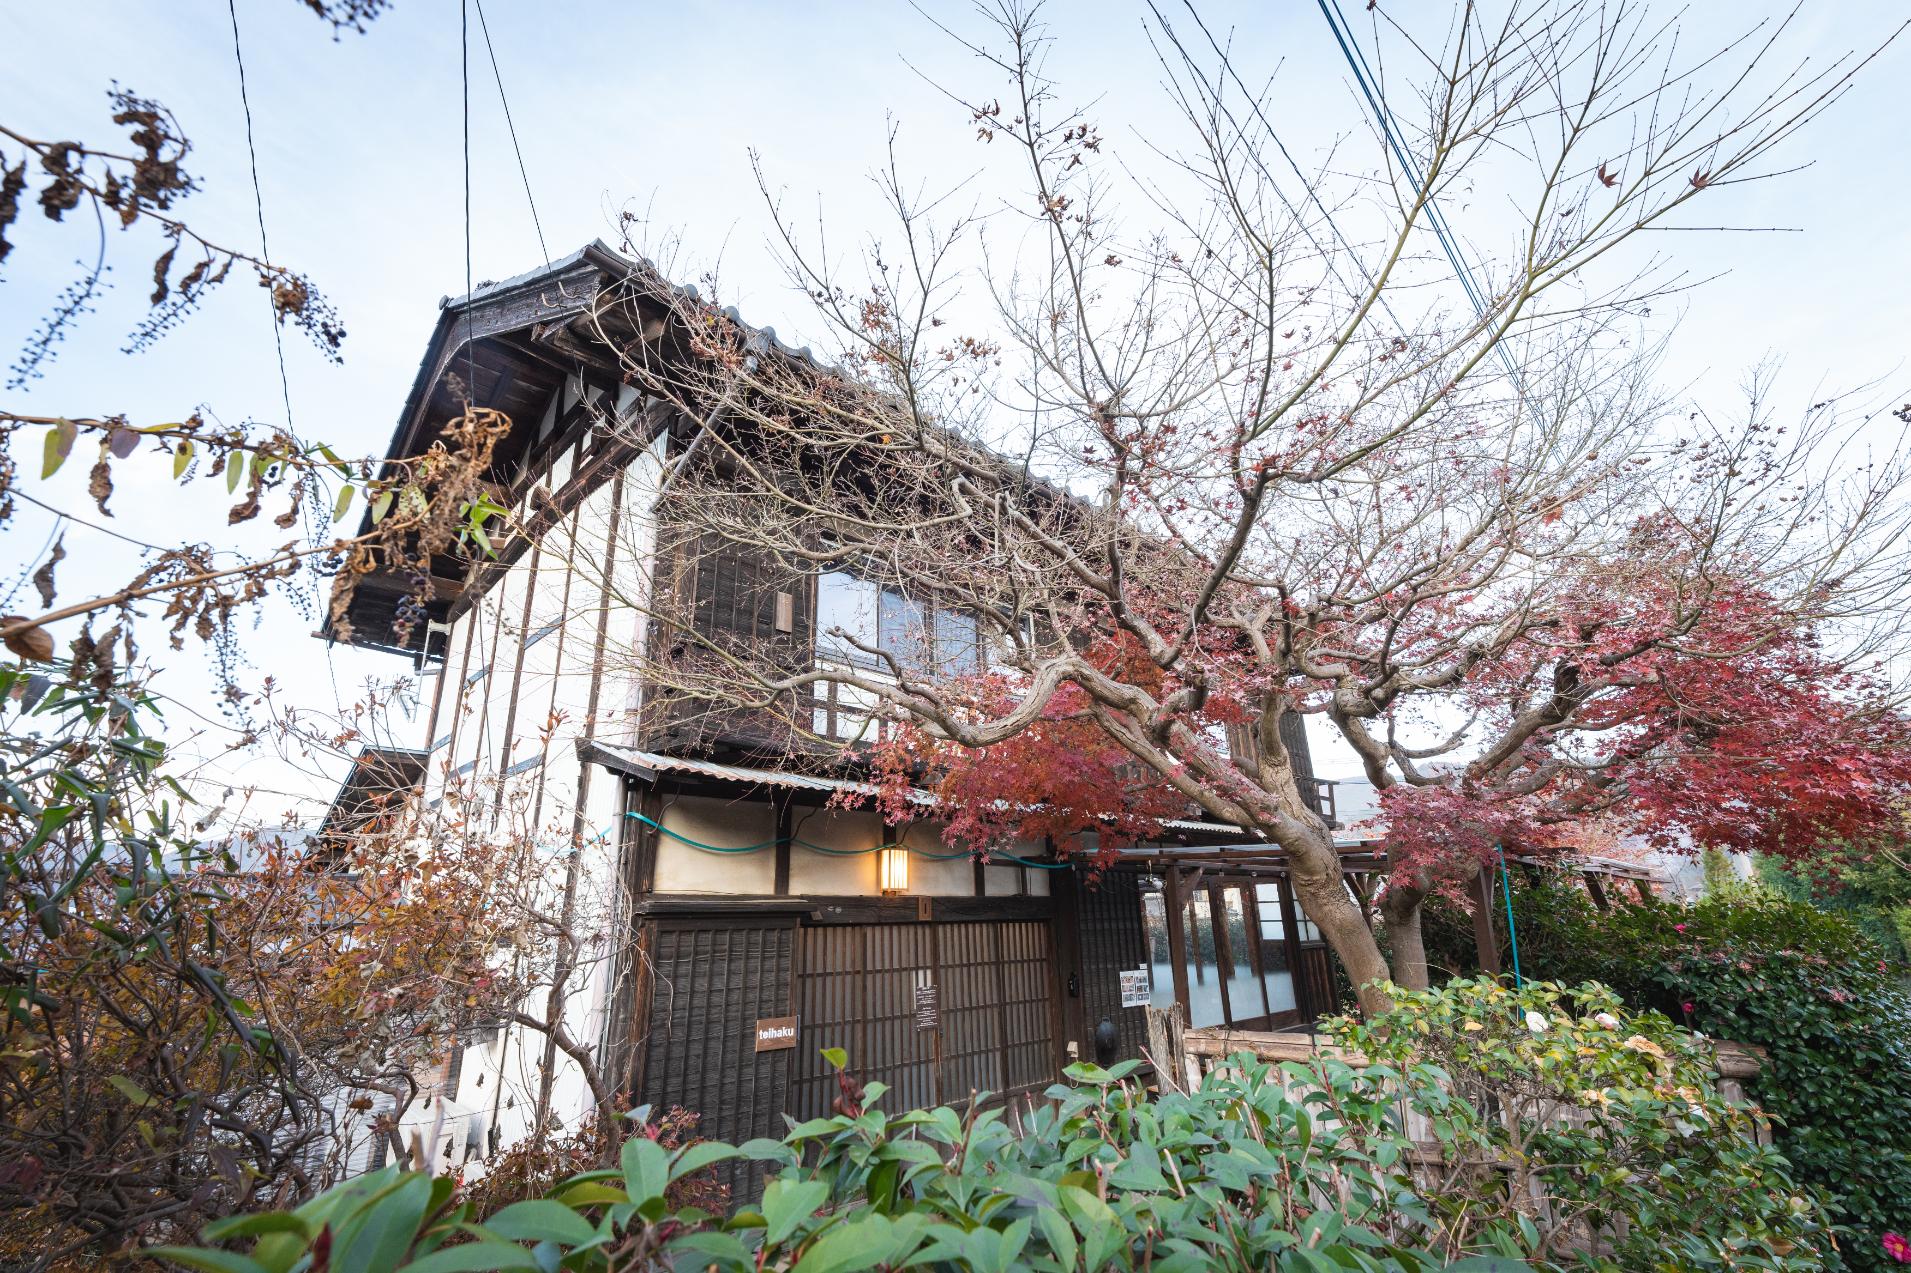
(1070, 1010)
(785, 828)
(1172, 896)
(1485, 940)
(1166, 1047)
(1596, 889)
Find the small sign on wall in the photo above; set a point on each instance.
(773, 1034)
(1135, 992)
(928, 1008)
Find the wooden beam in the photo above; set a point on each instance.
(1175, 897)
(785, 828)
(1596, 889)
(1486, 940)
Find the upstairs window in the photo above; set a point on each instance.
(925, 640)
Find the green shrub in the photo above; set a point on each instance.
(1305, 1166)
(1811, 989)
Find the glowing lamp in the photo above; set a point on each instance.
(894, 863)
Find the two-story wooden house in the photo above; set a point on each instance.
(744, 919)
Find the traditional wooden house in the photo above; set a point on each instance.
(744, 919)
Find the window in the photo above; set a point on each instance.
(1244, 983)
(902, 630)
(1204, 985)
(844, 604)
(925, 640)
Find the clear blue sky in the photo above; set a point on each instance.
(654, 107)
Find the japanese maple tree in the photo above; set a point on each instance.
(1277, 462)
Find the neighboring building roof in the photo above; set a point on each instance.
(379, 775)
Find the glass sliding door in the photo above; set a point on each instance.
(1247, 1004)
(1205, 1005)
(1277, 937)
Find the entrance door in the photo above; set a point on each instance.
(988, 1023)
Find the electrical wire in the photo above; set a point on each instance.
(1390, 131)
(278, 332)
(258, 202)
(485, 28)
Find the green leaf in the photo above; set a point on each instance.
(384, 1233)
(860, 1243)
(59, 445)
(133, 1092)
(209, 1260)
(381, 506)
(713, 1246)
(837, 1057)
(235, 468)
(472, 1256)
(763, 1149)
(646, 1167)
(541, 1220)
(701, 1155)
(253, 1226)
(182, 456)
(343, 503)
(589, 1193)
(787, 1203)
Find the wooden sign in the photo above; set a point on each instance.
(773, 1034)
(928, 1008)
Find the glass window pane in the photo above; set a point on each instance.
(846, 603)
(1276, 978)
(1204, 984)
(958, 652)
(903, 631)
(1244, 987)
(1154, 920)
(1273, 923)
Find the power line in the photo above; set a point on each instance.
(1390, 131)
(464, 81)
(278, 334)
(258, 203)
(537, 225)
(1227, 64)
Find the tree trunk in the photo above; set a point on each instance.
(1314, 871)
(1400, 911)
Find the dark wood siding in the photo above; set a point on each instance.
(856, 988)
(1112, 942)
(856, 991)
(709, 987)
(1314, 981)
(729, 597)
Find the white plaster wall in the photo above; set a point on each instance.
(827, 875)
(682, 869)
(954, 877)
(1002, 881)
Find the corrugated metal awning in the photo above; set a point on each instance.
(648, 764)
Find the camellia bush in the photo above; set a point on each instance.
(1302, 1166)
(1830, 1010)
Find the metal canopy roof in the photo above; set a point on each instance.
(648, 764)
